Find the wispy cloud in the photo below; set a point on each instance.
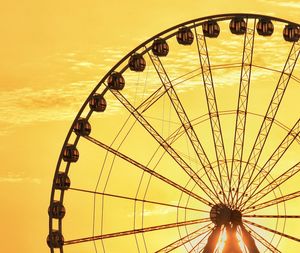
(85, 64)
(14, 178)
(29, 105)
(157, 211)
(32, 103)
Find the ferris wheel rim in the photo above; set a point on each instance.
(192, 23)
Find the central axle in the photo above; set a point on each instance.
(221, 214)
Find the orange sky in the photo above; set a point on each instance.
(52, 55)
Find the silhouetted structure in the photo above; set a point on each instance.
(211, 29)
(229, 220)
(248, 240)
(230, 187)
(160, 47)
(238, 26)
(212, 240)
(137, 62)
(82, 127)
(97, 103)
(265, 27)
(62, 181)
(185, 36)
(231, 243)
(70, 153)
(116, 81)
(291, 33)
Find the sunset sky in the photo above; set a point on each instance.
(53, 54)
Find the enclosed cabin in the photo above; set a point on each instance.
(291, 33)
(116, 81)
(70, 153)
(211, 29)
(62, 181)
(98, 103)
(160, 47)
(185, 36)
(82, 127)
(238, 26)
(56, 210)
(55, 239)
(265, 27)
(137, 63)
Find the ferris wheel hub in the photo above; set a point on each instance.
(221, 214)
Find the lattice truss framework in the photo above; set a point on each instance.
(240, 182)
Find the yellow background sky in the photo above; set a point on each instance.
(52, 54)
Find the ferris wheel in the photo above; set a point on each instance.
(190, 143)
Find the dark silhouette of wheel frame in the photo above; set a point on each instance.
(230, 210)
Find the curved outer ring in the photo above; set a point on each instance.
(191, 23)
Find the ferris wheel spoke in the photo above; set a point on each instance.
(137, 199)
(247, 189)
(273, 185)
(272, 216)
(262, 240)
(182, 163)
(186, 125)
(272, 161)
(273, 231)
(147, 103)
(270, 114)
(295, 78)
(213, 113)
(242, 108)
(199, 247)
(186, 239)
(146, 169)
(137, 231)
(180, 130)
(159, 92)
(272, 202)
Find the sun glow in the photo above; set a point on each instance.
(240, 241)
(223, 238)
(53, 53)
